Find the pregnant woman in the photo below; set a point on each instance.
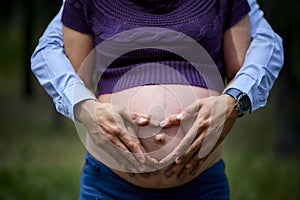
(153, 82)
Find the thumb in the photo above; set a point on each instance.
(137, 118)
(186, 114)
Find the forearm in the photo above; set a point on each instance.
(263, 61)
(78, 47)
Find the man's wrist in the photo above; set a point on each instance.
(231, 105)
(81, 107)
(243, 103)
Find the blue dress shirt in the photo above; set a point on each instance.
(263, 62)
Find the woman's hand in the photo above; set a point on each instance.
(106, 126)
(216, 116)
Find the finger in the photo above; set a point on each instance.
(144, 120)
(137, 118)
(129, 139)
(126, 135)
(190, 158)
(198, 160)
(114, 136)
(154, 172)
(212, 139)
(126, 160)
(144, 175)
(147, 163)
(195, 147)
(203, 159)
(123, 160)
(140, 119)
(113, 128)
(134, 145)
(183, 174)
(188, 113)
(183, 145)
(197, 166)
(170, 121)
(151, 164)
(192, 165)
(140, 168)
(173, 169)
(123, 163)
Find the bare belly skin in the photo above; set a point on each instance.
(159, 101)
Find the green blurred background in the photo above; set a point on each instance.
(41, 155)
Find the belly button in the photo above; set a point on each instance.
(160, 138)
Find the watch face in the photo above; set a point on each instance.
(244, 103)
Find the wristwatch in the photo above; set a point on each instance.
(243, 103)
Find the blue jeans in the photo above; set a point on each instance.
(99, 182)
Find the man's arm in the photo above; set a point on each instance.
(263, 61)
(55, 72)
(261, 67)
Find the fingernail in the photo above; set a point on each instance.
(200, 162)
(162, 123)
(179, 116)
(189, 165)
(155, 122)
(152, 160)
(142, 120)
(178, 161)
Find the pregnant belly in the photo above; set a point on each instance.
(158, 101)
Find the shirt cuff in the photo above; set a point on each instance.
(245, 83)
(75, 95)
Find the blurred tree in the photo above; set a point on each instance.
(284, 18)
(5, 12)
(28, 31)
(39, 15)
(36, 14)
(32, 14)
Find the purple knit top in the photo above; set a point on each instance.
(128, 60)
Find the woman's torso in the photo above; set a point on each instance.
(201, 20)
(159, 101)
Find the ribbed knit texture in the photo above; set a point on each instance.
(203, 20)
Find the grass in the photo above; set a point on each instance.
(37, 160)
(254, 170)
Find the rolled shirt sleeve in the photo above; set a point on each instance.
(55, 72)
(263, 62)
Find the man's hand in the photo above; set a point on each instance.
(216, 116)
(105, 124)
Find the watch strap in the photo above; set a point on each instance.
(243, 103)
